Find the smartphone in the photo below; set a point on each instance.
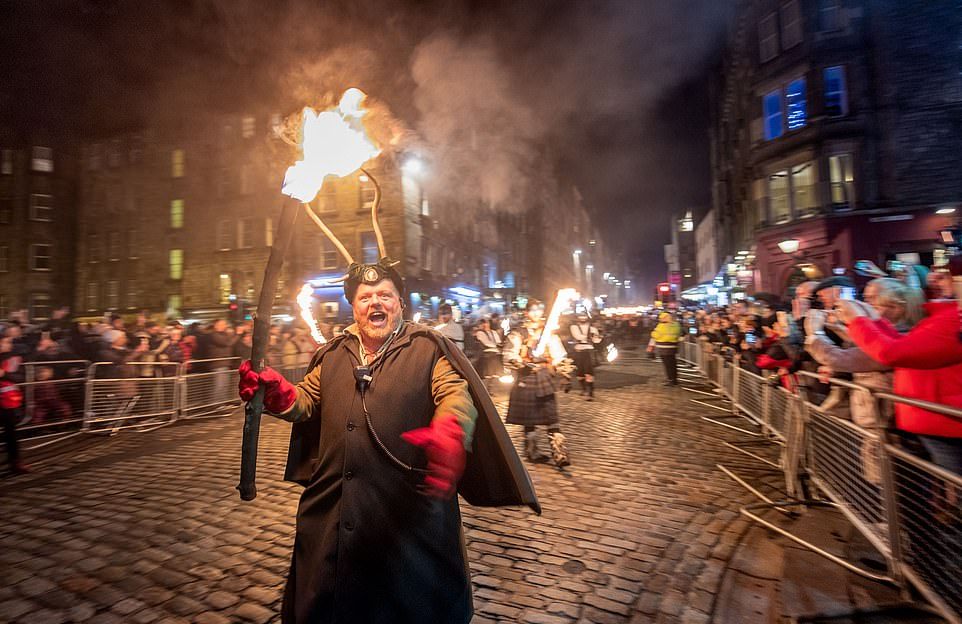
(847, 293)
(750, 338)
(692, 330)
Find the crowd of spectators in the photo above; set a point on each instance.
(897, 333)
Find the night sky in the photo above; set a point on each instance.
(609, 96)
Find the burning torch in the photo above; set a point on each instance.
(333, 143)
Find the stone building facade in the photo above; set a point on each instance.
(832, 120)
(37, 220)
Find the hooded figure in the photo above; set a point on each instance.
(390, 422)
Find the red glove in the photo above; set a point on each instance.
(443, 443)
(279, 394)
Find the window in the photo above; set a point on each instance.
(792, 26)
(6, 162)
(327, 198)
(40, 259)
(803, 190)
(225, 235)
(268, 232)
(778, 197)
(42, 159)
(328, 254)
(93, 299)
(113, 246)
(245, 180)
(133, 251)
(4, 307)
(768, 38)
(247, 127)
(4, 259)
(173, 305)
(93, 247)
(795, 104)
(829, 15)
(773, 115)
(842, 179)
(177, 163)
(131, 294)
(369, 248)
(6, 210)
(112, 295)
(40, 307)
(41, 207)
(425, 207)
(177, 213)
(836, 97)
(367, 193)
(245, 233)
(425, 254)
(225, 287)
(176, 262)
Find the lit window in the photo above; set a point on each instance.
(131, 294)
(6, 210)
(4, 259)
(268, 232)
(4, 307)
(803, 190)
(113, 246)
(177, 213)
(41, 207)
(40, 259)
(773, 115)
(177, 163)
(369, 247)
(40, 307)
(768, 37)
(6, 162)
(245, 179)
(842, 177)
(132, 241)
(93, 299)
(112, 295)
(795, 104)
(93, 247)
(792, 32)
(328, 255)
(829, 15)
(245, 233)
(778, 197)
(836, 97)
(42, 159)
(176, 262)
(367, 193)
(687, 224)
(425, 207)
(224, 287)
(173, 305)
(225, 235)
(247, 127)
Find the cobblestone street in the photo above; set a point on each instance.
(147, 527)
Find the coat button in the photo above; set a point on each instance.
(348, 526)
(350, 426)
(348, 475)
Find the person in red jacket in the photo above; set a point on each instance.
(928, 366)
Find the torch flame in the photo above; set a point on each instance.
(304, 301)
(333, 142)
(561, 303)
(611, 353)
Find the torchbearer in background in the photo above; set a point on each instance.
(532, 402)
(448, 327)
(390, 422)
(585, 337)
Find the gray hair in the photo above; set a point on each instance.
(897, 292)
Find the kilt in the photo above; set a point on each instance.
(489, 365)
(585, 362)
(526, 407)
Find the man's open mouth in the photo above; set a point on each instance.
(377, 319)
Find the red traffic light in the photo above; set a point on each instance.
(232, 307)
(664, 288)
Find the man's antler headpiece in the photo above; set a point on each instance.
(359, 273)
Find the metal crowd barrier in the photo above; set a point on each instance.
(908, 508)
(210, 388)
(138, 401)
(53, 401)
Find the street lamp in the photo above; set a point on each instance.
(789, 246)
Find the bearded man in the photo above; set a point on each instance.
(384, 422)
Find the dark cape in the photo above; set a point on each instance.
(369, 547)
(494, 475)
